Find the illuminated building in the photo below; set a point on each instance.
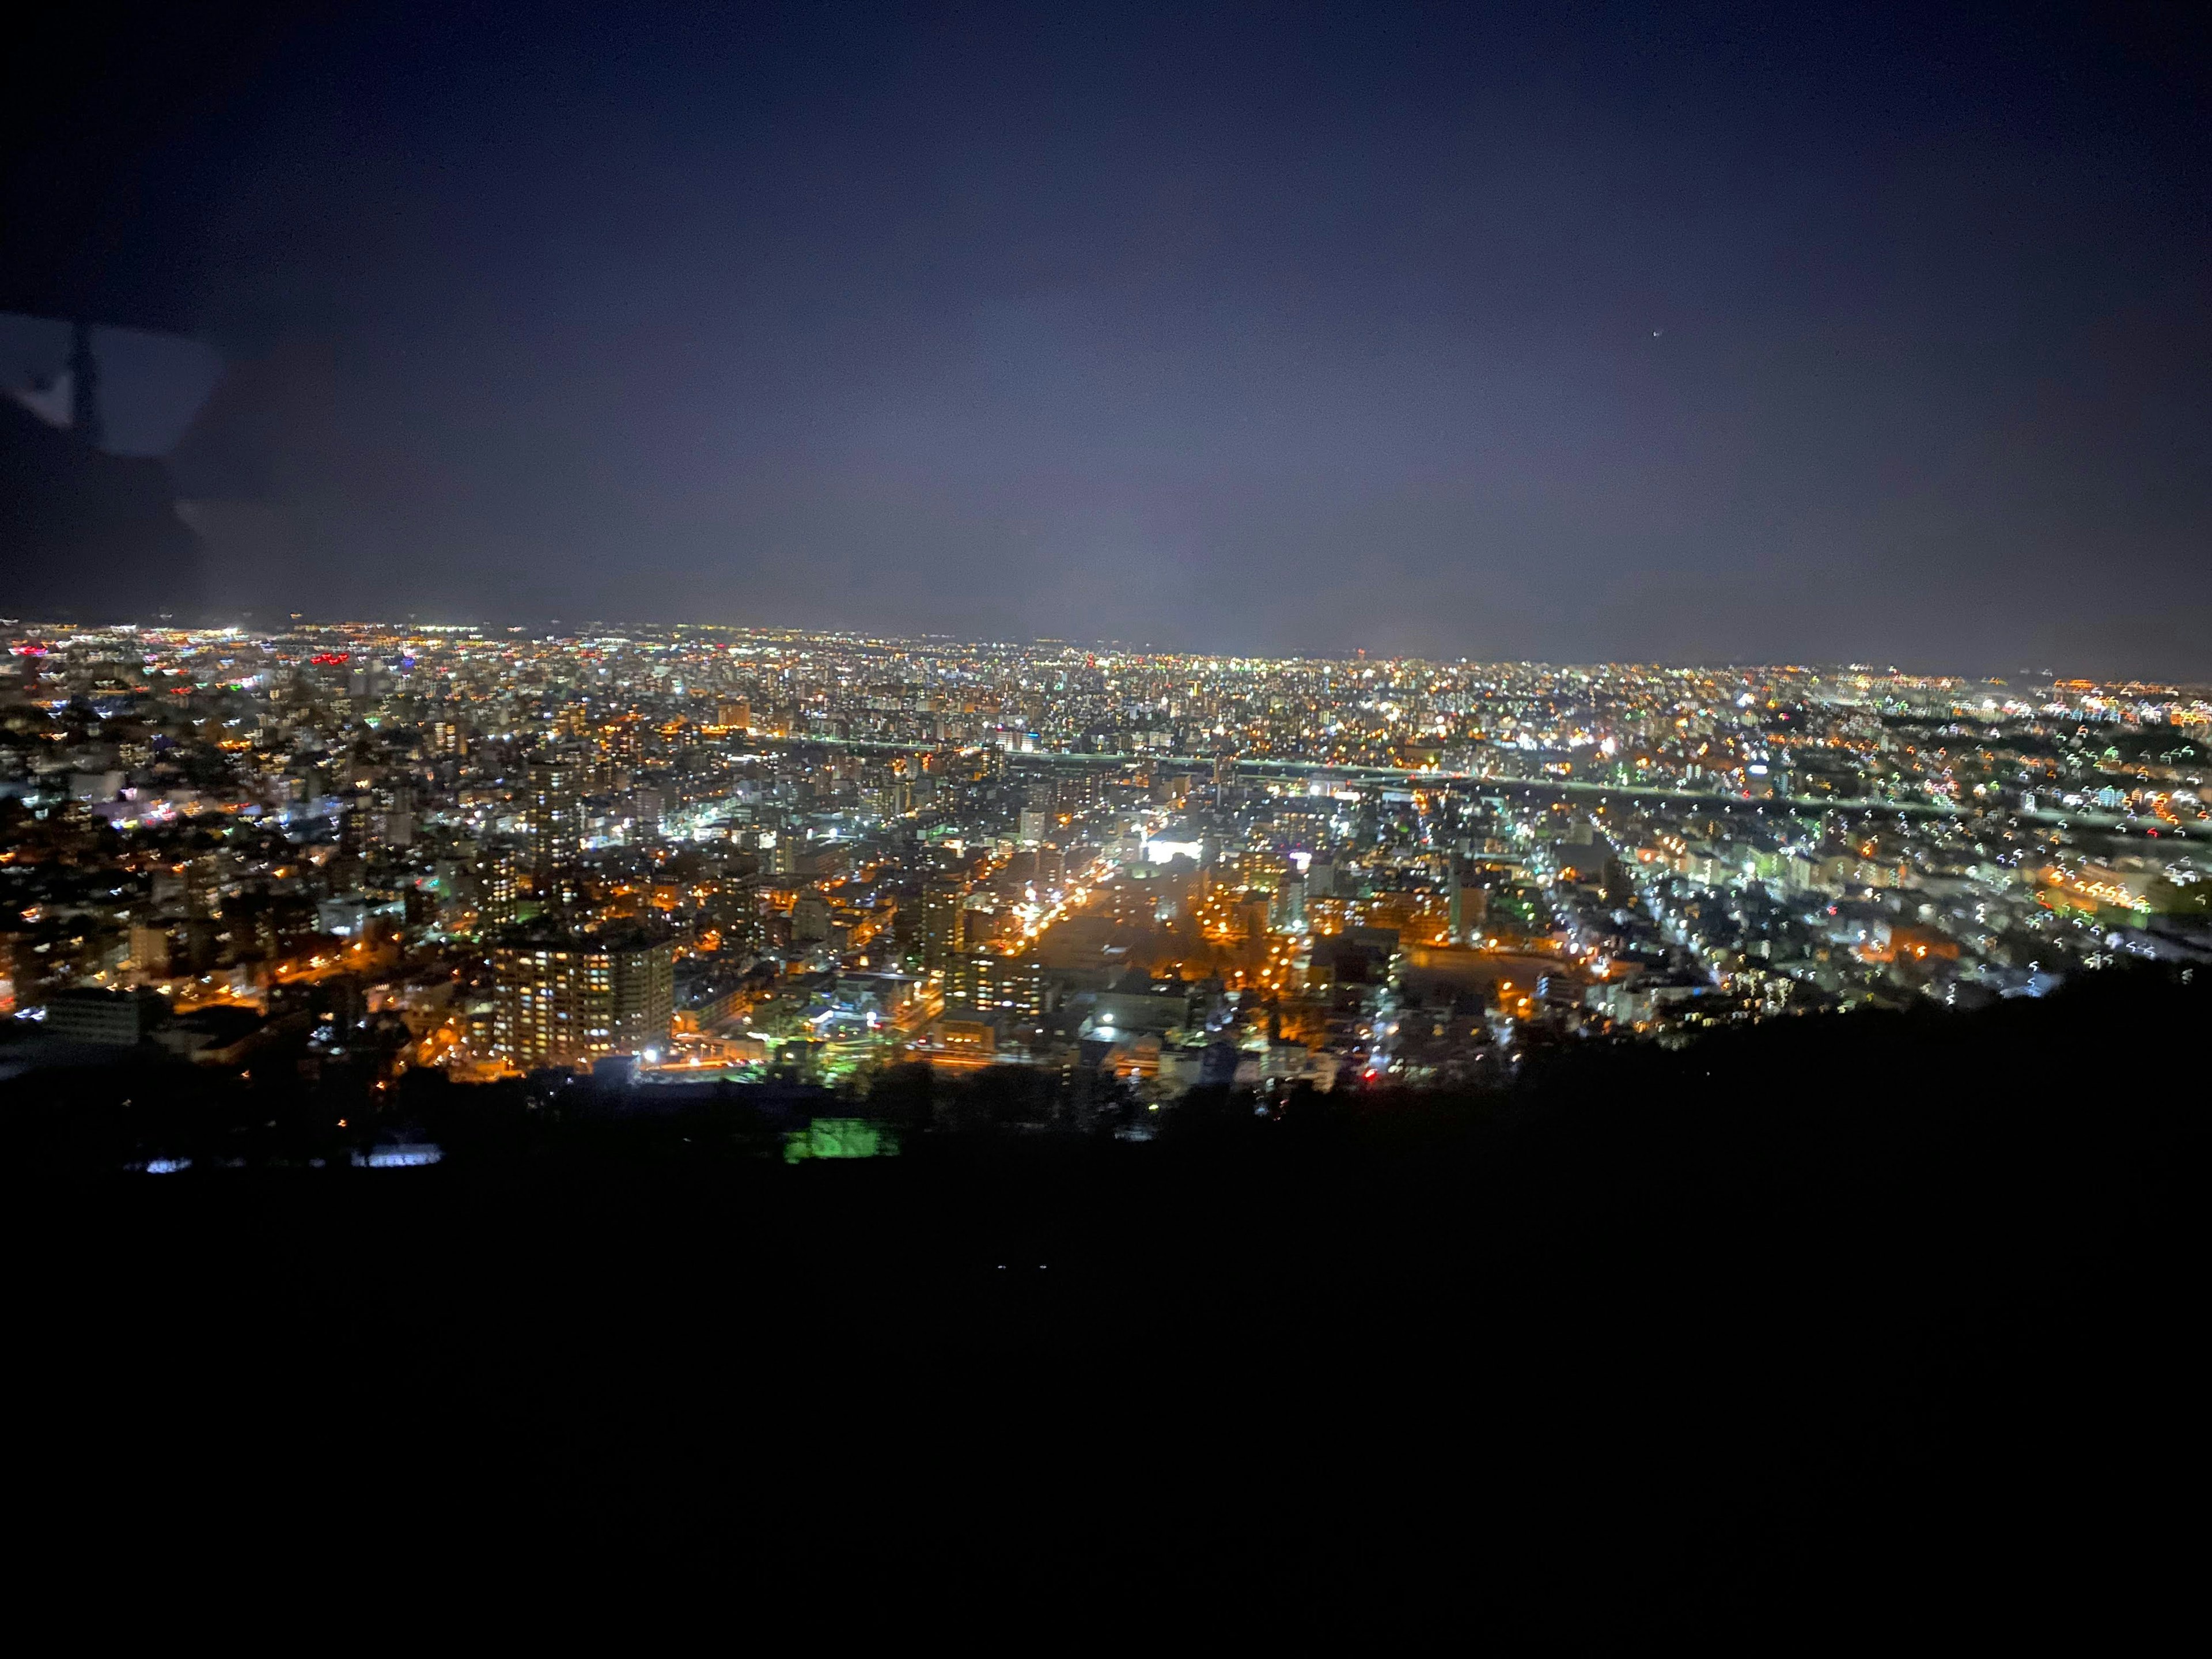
(1465, 907)
(446, 737)
(943, 924)
(498, 885)
(966, 1033)
(203, 887)
(998, 984)
(625, 740)
(894, 797)
(553, 809)
(149, 950)
(562, 999)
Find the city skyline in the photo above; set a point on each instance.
(773, 856)
(250, 622)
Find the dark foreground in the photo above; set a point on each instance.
(1875, 1327)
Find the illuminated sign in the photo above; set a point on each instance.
(840, 1137)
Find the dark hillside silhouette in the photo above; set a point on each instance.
(1798, 1329)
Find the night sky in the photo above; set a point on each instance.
(1644, 333)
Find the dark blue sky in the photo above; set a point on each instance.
(1627, 332)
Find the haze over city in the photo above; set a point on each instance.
(1705, 335)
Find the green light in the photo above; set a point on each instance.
(839, 1137)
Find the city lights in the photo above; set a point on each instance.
(703, 851)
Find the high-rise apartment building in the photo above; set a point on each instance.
(894, 797)
(447, 739)
(561, 999)
(553, 811)
(625, 739)
(149, 950)
(943, 924)
(497, 885)
(203, 886)
(998, 984)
